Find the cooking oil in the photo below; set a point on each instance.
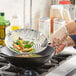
(2, 34)
(3, 25)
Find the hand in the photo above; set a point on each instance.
(61, 46)
(59, 36)
(58, 48)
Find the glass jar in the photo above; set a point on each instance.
(15, 23)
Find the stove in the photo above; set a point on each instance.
(7, 69)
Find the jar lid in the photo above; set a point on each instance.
(64, 2)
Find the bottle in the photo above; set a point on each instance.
(15, 23)
(8, 28)
(66, 13)
(65, 3)
(2, 19)
(2, 28)
(56, 11)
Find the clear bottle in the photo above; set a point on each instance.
(15, 23)
(66, 13)
(65, 3)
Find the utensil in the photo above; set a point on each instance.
(39, 39)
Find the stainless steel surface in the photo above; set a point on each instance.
(64, 68)
(6, 51)
(40, 41)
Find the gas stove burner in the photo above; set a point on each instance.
(29, 73)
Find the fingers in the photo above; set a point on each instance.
(56, 42)
(59, 48)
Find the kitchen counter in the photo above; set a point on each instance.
(65, 67)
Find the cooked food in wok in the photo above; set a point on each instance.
(21, 45)
(29, 55)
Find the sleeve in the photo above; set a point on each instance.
(73, 37)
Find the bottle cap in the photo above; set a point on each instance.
(2, 13)
(64, 2)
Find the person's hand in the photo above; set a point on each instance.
(61, 46)
(59, 36)
(58, 47)
(63, 32)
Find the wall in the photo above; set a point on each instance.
(12, 7)
(40, 8)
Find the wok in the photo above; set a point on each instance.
(40, 44)
(27, 61)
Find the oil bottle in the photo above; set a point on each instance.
(3, 25)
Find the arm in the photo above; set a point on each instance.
(63, 32)
(71, 28)
(73, 38)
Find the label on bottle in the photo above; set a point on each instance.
(65, 2)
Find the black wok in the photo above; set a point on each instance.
(28, 61)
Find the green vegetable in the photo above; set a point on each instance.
(25, 42)
(33, 50)
(19, 44)
(16, 50)
(29, 45)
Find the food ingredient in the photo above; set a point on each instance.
(21, 45)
